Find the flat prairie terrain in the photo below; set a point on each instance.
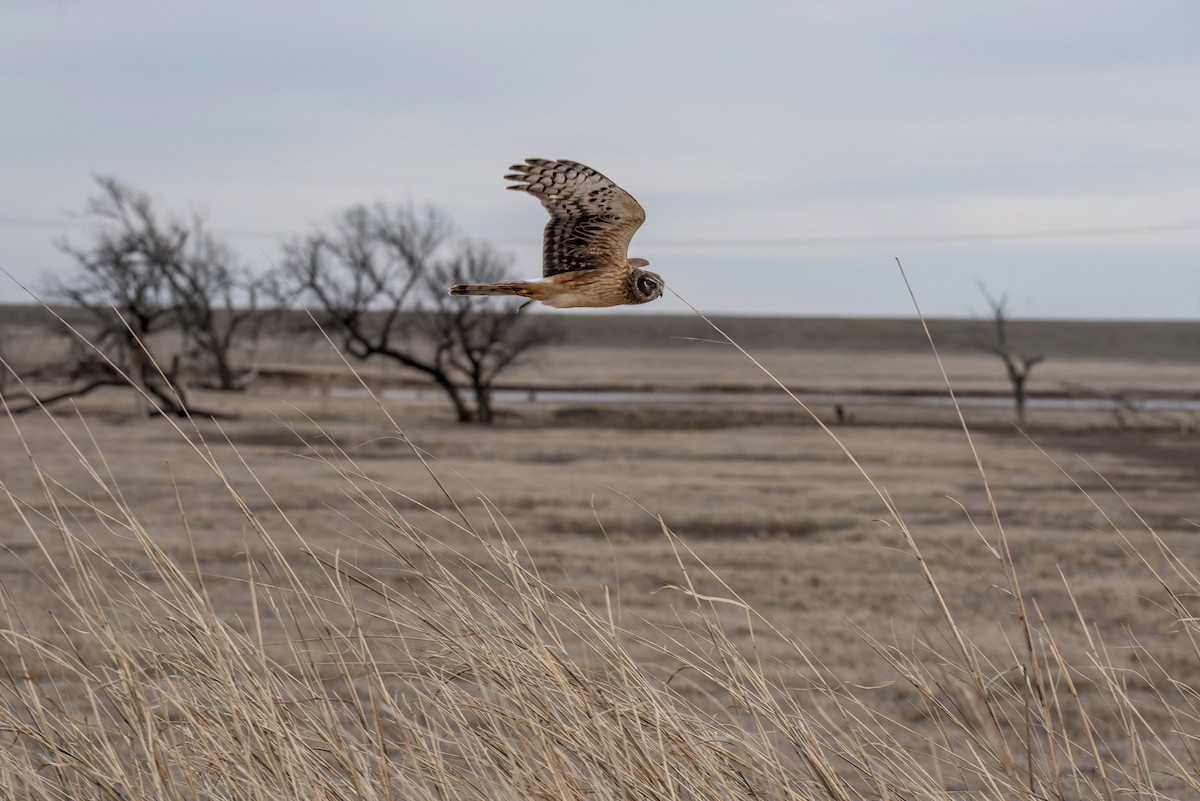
(793, 519)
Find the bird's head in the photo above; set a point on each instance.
(647, 286)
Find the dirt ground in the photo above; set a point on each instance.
(761, 494)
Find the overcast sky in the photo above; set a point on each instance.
(784, 152)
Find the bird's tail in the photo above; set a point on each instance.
(517, 288)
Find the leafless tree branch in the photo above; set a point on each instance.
(142, 274)
(1017, 364)
(378, 278)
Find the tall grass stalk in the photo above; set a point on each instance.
(464, 673)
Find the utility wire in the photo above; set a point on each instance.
(892, 239)
(12, 221)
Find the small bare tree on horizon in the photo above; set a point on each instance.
(1017, 363)
(378, 276)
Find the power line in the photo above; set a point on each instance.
(64, 223)
(12, 221)
(894, 239)
(35, 222)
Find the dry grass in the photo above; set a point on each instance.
(256, 612)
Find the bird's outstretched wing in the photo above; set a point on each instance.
(591, 218)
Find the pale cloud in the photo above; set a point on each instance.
(773, 121)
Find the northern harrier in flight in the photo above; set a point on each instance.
(585, 260)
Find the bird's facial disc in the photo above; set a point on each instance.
(649, 284)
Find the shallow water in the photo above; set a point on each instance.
(561, 397)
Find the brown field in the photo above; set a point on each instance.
(761, 495)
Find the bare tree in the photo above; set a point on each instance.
(144, 273)
(378, 278)
(1017, 363)
(477, 337)
(218, 303)
(122, 283)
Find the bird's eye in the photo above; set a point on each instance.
(647, 286)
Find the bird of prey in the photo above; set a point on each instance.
(585, 259)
